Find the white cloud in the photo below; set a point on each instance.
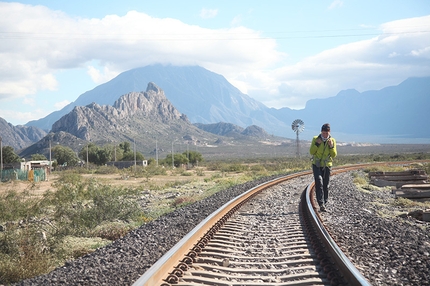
(424, 53)
(37, 42)
(399, 52)
(22, 117)
(335, 4)
(61, 104)
(237, 20)
(208, 13)
(101, 77)
(29, 100)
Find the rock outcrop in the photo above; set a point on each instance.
(19, 136)
(132, 110)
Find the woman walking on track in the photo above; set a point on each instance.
(323, 150)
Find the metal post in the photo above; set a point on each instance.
(173, 160)
(156, 151)
(87, 155)
(89, 140)
(50, 165)
(1, 160)
(134, 143)
(188, 156)
(197, 162)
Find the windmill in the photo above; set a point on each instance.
(298, 125)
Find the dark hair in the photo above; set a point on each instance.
(325, 127)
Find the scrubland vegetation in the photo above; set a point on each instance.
(83, 211)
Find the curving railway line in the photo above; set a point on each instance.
(264, 237)
(270, 235)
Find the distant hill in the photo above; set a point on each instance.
(235, 131)
(395, 114)
(19, 136)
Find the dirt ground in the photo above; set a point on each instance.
(39, 188)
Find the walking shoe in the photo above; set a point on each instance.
(323, 209)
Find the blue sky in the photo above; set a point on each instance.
(281, 53)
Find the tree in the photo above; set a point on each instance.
(89, 150)
(151, 161)
(9, 155)
(129, 156)
(104, 155)
(65, 156)
(116, 151)
(38, 157)
(125, 146)
(96, 155)
(178, 158)
(194, 157)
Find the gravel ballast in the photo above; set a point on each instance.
(388, 250)
(387, 246)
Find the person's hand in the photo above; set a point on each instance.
(318, 141)
(330, 143)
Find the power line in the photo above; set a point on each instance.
(190, 37)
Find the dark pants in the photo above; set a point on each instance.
(322, 179)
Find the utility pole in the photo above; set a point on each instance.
(134, 143)
(173, 159)
(1, 160)
(156, 151)
(87, 156)
(50, 165)
(188, 156)
(89, 140)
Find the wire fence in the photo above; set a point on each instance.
(35, 175)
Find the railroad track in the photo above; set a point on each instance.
(270, 235)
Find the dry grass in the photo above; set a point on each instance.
(157, 193)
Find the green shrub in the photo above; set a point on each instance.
(214, 177)
(16, 206)
(111, 230)
(23, 254)
(79, 211)
(199, 172)
(72, 247)
(182, 201)
(235, 168)
(106, 170)
(407, 203)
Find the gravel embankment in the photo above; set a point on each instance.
(388, 251)
(388, 247)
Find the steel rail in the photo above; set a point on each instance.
(346, 268)
(156, 275)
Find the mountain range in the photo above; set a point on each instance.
(394, 114)
(204, 96)
(146, 119)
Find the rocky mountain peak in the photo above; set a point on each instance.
(149, 107)
(153, 87)
(151, 103)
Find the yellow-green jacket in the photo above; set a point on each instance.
(323, 155)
